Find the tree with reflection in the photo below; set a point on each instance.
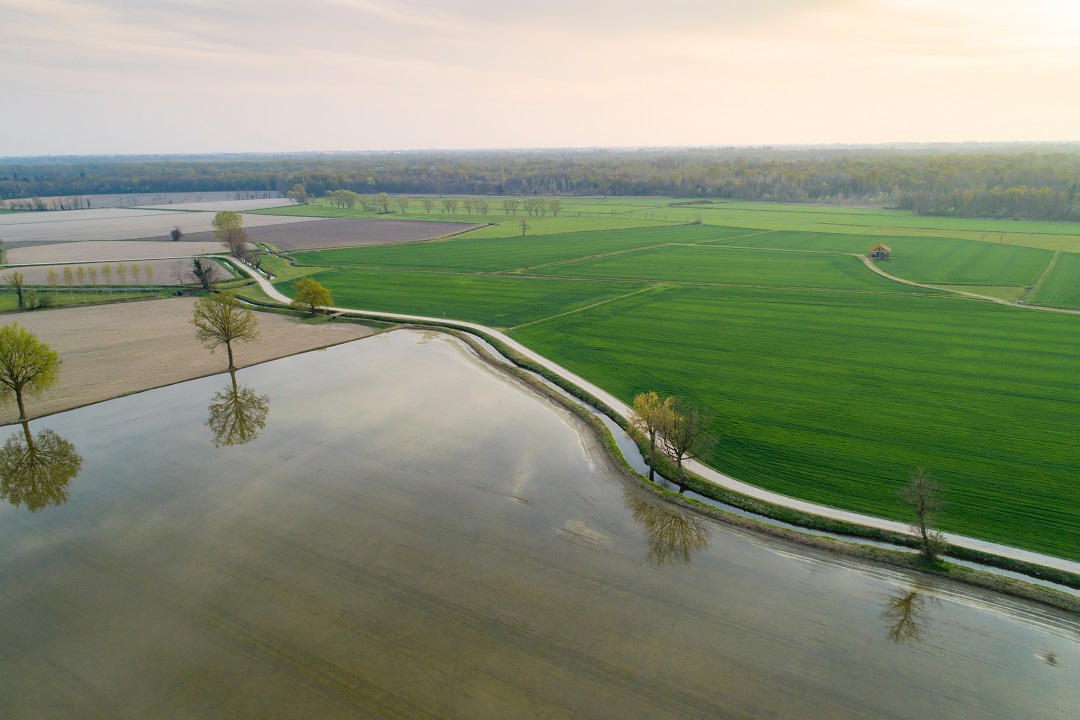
(36, 471)
(650, 412)
(28, 367)
(237, 414)
(907, 615)
(221, 320)
(674, 536)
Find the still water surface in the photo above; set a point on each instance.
(390, 529)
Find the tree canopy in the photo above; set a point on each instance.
(221, 320)
(1027, 181)
(28, 366)
(310, 294)
(229, 229)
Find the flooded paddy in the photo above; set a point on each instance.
(114, 224)
(391, 529)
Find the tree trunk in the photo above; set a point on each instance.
(228, 346)
(652, 454)
(682, 488)
(18, 399)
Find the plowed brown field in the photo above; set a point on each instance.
(114, 350)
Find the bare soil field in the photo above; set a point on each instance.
(115, 224)
(347, 232)
(109, 251)
(114, 350)
(163, 272)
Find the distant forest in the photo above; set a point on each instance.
(1000, 181)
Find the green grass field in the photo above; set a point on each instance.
(827, 381)
(492, 300)
(502, 254)
(837, 397)
(960, 262)
(1062, 287)
(733, 266)
(619, 212)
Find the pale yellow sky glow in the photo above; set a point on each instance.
(141, 76)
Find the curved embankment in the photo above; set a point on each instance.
(694, 466)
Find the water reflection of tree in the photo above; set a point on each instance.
(674, 535)
(907, 613)
(237, 414)
(35, 471)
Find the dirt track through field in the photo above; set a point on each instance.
(114, 350)
(108, 251)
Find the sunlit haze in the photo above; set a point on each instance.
(141, 76)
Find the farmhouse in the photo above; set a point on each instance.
(880, 252)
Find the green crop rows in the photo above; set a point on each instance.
(826, 381)
(836, 397)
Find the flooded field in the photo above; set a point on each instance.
(390, 529)
(114, 224)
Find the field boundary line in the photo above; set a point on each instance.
(1042, 278)
(585, 257)
(764, 249)
(708, 243)
(587, 307)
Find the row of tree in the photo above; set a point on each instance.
(680, 431)
(991, 181)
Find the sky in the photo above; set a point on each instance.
(144, 76)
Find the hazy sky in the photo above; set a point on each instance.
(143, 76)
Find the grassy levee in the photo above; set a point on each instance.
(502, 254)
(491, 300)
(836, 397)
(1062, 287)
(725, 265)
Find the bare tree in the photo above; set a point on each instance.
(106, 272)
(524, 226)
(684, 435)
(149, 270)
(136, 272)
(205, 273)
(92, 272)
(924, 497)
(483, 206)
(17, 282)
(179, 274)
(121, 272)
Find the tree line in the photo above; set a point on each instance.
(989, 181)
